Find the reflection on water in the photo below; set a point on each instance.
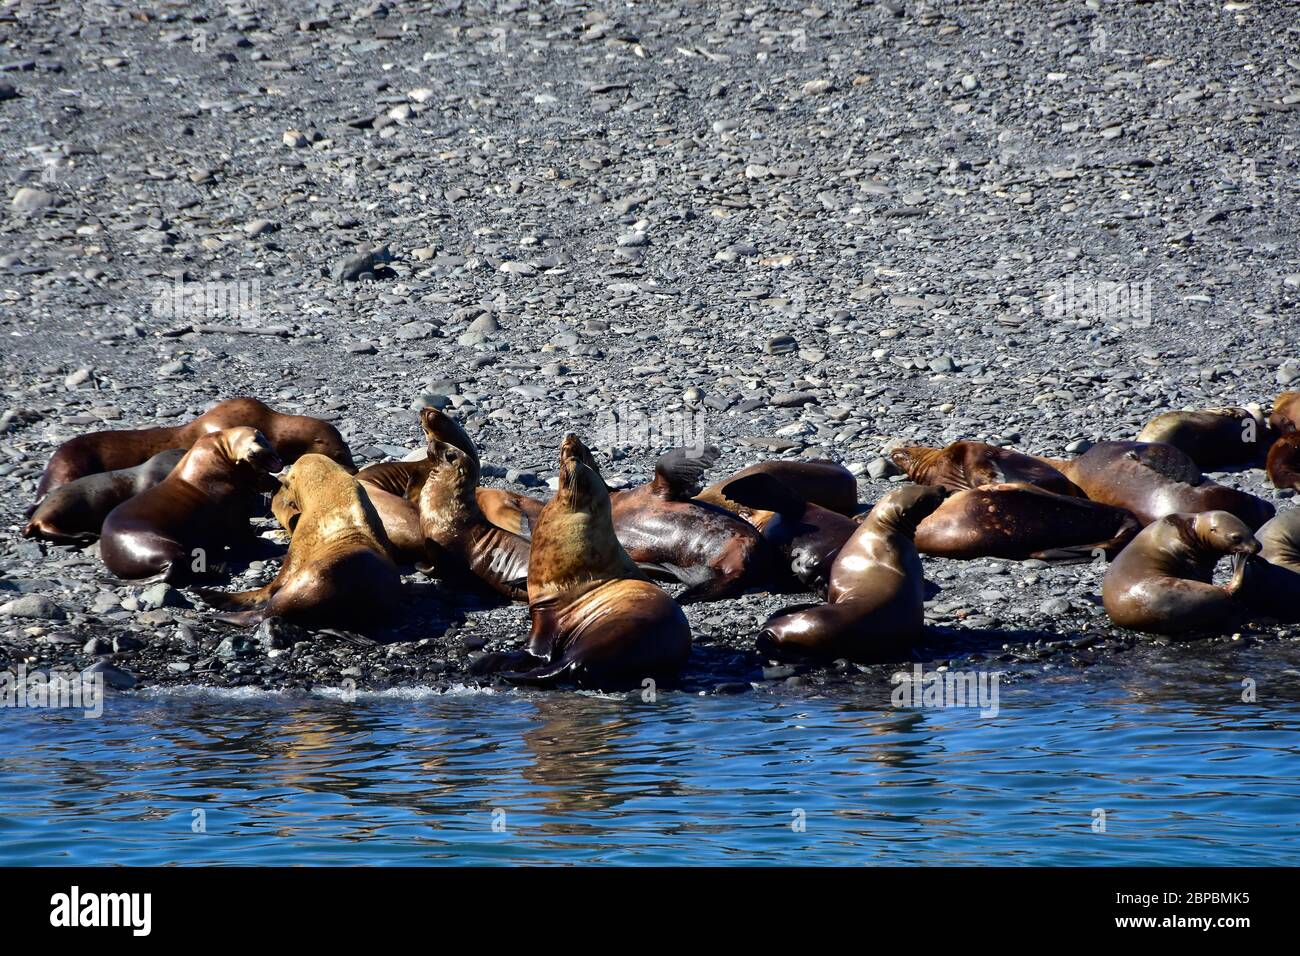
(1184, 770)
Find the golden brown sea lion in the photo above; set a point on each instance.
(291, 435)
(596, 619)
(74, 513)
(1286, 413)
(970, 464)
(1283, 465)
(1019, 521)
(1153, 480)
(1162, 582)
(1213, 438)
(400, 518)
(875, 603)
(461, 544)
(337, 572)
(175, 529)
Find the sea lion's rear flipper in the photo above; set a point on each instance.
(1078, 554)
(678, 472)
(1173, 463)
(228, 600)
(243, 618)
(763, 492)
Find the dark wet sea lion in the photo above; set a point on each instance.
(1021, 521)
(461, 544)
(664, 529)
(1162, 582)
(821, 482)
(1213, 438)
(1283, 465)
(875, 604)
(337, 572)
(508, 510)
(970, 464)
(806, 536)
(596, 619)
(175, 529)
(1286, 413)
(1272, 578)
(400, 518)
(74, 513)
(291, 435)
(1153, 480)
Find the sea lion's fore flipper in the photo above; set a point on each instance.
(763, 492)
(678, 472)
(1169, 461)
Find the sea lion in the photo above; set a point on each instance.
(1283, 465)
(508, 510)
(823, 483)
(1162, 582)
(1271, 581)
(875, 603)
(596, 619)
(1153, 480)
(1213, 438)
(1017, 520)
(806, 536)
(337, 572)
(174, 529)
(400, 518)
(970, 464)
(663, 529)
(1286, 413)
(74, 513)
(461, 544)
(291, 435)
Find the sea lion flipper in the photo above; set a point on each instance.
(1169, 461)
(763, 492)
(678, 471)
(539, 676)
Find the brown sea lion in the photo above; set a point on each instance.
(821, 482)
(1018, 521)
(875, 604)
(400, 518)
(663, 529)
(1271, 581)
(806, 536)
(74, 513)
(596, 619)
(1153, 480)
(1283, 465)
(175, 529)
(291, 435)
(1213, 438)
(1162, 582)
(970, 464)
(337, 572)
(461, 544)
(1286, 413)
(508, 510)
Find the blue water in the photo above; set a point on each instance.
(1185, 772)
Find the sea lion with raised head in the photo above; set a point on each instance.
(1215, 437)
(875, 603)
(337, 572)
(665, 530)
(1153, 480)
(970, 464)
(175, 529)
(596, 619)
(1162, 583)
(1285, 417)
(290, 435)
(400, 519)
(75, 512)
(823, 483)
(1020, 521)
(1271, 582)
(461, 545)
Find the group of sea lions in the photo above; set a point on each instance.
(166, 503)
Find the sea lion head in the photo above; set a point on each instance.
(453, 479)
(1224, 533)
(905, 508)
(911, 458)
(581, 486)
(442, 427)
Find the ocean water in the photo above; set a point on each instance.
(1151, 760)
